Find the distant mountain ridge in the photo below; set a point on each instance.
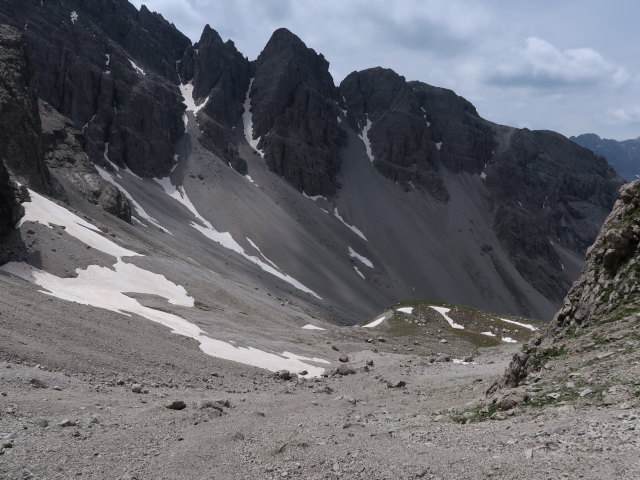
(624, 156)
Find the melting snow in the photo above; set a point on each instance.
(186, 89)
(488, 334)
(315, 198)
(365, 138)
(105, 288)
(350, 227)
(261, 254)
(375, 323)
(137, 207)
(138, 70)
(509, 340)
(364, 260)
(359, 272)
(247, 121)
(443, 311)
(312, 327)
(224, 238)
(408, 310)
(525, 325)
(74, 17)
(44, 211)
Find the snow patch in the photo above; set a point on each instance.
(224, 238)
(74, 17)
(375, 323)
(44, 211)
(439, 145)
(364, 260)
(315, 198)
(137, 207)
(408, 310)
(104, 287)
(524, 325)
(509, 340)
(483, 175)
(186, 89)
(350, 227)
(359, 272)
(443, 311)
(138, 70)
(312, 327)
(247, 122)
(488, 334)
(364, 136)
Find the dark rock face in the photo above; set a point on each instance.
(20, 131)
(543, 188)
(609, 285)
(623, 156)
(82, 53)
(10, 209)
(220, 76)
(68, 162)
(546, 190)
(415, 128)
(294, 107)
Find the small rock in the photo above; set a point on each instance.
(333, 347)
(37, 383)
(283, 374)
(443, 358)
(396, 383)
(344, 369)
(585, 392)
(177, 405)
(136, 388)
(467, 359)
(238, 437)
(370, 363)
(67, 423)
(344, 358)
(444, 340)
(42, 422)
(381, 340)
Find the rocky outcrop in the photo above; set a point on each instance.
(546, 191)
(69, 163)
(20, 131)
(220, 77)
(624, 155)
(10, 209)
(111, 69)
(607, 291)
(543, 189)
(295, 114)
(414, 129)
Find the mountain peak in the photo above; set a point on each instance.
(209, 35)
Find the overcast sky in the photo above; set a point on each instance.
(567, 65)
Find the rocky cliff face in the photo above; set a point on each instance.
(599, 318)
(295, 114)
(544, 190)
(111, 69)
(20, 131)
(414, 129)
(220, 77)
(624, 155)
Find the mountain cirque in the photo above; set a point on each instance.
(186, 215)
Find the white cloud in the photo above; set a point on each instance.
(542, 65)
(624, 115)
